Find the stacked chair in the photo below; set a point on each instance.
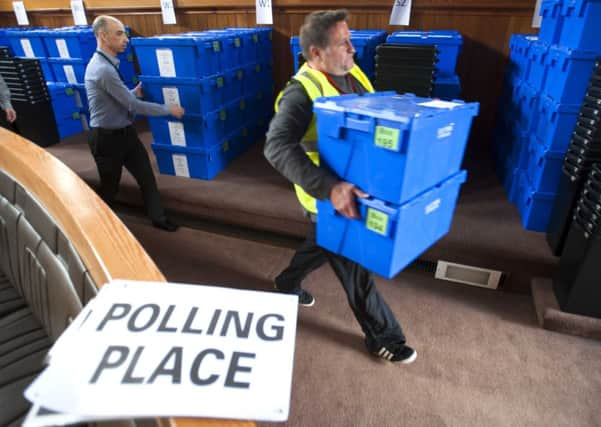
(576, 283)
(223, 79)
(405, 68)
(445, 82)
(584, 150)
(30, 99)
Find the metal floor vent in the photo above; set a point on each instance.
(467, 274)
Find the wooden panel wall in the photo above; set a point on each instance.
(486, 26)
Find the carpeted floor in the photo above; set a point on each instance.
(482, 359)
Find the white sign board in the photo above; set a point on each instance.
(79, 13)
(214, 352)
(536, 18)
(20, 13)
(168, 12)
(401, 12)
(264, 13)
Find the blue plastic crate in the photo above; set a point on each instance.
(188, 162)
(62, 96)
(81, 96)
(569, 72)
(68, 70)
(581, 29)
(388, 237)
(257, 77)
(537, 56)
(520, 150)
(28, 43)
(447, 42)
(260, 42)
(259, 105)
(295, 49)
(526, 99)
(46, 70)
(544, 167)
(197, 96)
(552, 21)
(392, 146)
(228, 54)
(69, 125)
(237, 113)
(191, 131)
(447, 88)
(534, 206)
(556, 123)
(520, 45)
(70, 42)
(248, 48)
(177, 56)
(234, 84)
(511, 184)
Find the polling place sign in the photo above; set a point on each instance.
(144, 349)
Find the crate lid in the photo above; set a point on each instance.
(559, 54)
(390, 106)
(452, 37)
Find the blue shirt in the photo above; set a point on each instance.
(112, 104)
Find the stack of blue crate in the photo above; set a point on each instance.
(223, 80)
(543, 94)
(364, 42)
(28, 42)
(404, 151)
(66, 108)
(446, 83)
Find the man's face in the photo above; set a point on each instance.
(337, 57)
(115, 37)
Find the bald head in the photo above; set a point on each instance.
(110, 34)
(101, 24)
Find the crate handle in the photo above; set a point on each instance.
(360, 125)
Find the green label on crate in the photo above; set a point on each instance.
(242, 104)
(222, 115)
(377, 222)
(130, 57)
(69, 91)
(387, 138)
(219, 81)
(226, 145)
(237, 42)
(255, 38)
(216, 47)
(258, 68)
(76, 115)
(240, 74)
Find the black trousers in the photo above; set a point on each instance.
(112, 150)
(371, 311)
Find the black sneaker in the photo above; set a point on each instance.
(304, 297)
(399, 353)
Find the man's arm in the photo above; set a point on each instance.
(113, 85)
(282, 145)
(5, 104)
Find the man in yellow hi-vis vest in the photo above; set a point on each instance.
(291, 148)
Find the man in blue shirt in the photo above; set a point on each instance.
(112, 138)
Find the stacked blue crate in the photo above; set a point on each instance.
(67, 114)
(378, 142)
(223, 80)
(552, 83)
(447, 84)
(364, 42)
(28, 42)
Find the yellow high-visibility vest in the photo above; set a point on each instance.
(316, 84)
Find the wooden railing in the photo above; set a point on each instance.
(105, 246)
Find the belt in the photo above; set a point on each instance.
(106, 131)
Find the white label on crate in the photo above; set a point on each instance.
(432, 206)
(401, 12)
(20, 13)
(537, 19)
(63, 50)
(165, 62)
(437, 103)
(171, 96)
(177, 133)
(180, 164)
(79, 13)
(77, 98)
(70, 74)
(445, 131)
(27, 49)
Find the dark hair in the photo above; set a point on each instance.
(315, 30)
